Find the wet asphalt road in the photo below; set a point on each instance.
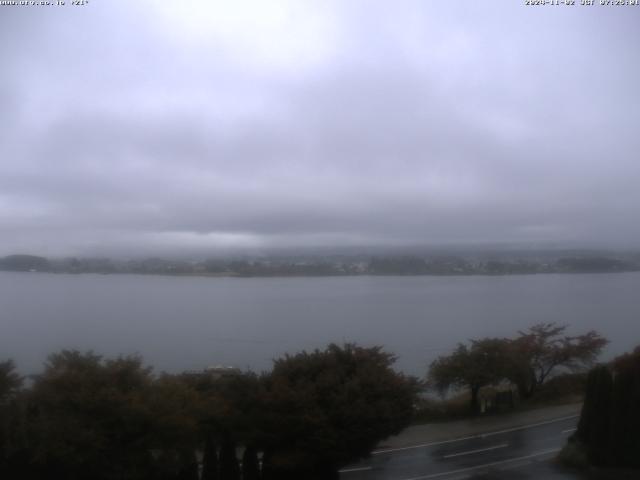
(515, 453)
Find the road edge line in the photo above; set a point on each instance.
(477, 435)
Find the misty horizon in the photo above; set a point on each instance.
(327, 252)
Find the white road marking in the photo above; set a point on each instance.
(569, 430)
(479, 450)
(486, 465)
(482, 435)
(358, 469)
(516, 465)
(423, 445)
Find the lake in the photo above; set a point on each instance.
(179, 323)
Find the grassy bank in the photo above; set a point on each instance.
(561, 390)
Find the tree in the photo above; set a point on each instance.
(250, 465)
(229, 466)
(594, 425)
(330, 407)
(610, 418)
(90, 417)
(624, 443)
(10, 381)
(542, 349)
(472, 367)
(24, 263)
(188, 468)
(176, 408)
(210, 459)
(10, 416)
(230, 414)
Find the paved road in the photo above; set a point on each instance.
(517, 452)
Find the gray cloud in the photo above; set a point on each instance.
(223, 124)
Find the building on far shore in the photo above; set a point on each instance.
(215, 372)
(220, 371)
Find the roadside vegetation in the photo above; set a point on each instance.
(89, 417)
(541, 364)
(607, 434)
(85, 416)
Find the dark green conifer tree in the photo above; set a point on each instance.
(210, 460)
(625, 419)
(188, 466)
(229, 467)
(594, 425)
(250, 468)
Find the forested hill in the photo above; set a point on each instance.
(330, 265)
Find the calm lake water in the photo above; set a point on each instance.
(179, 323)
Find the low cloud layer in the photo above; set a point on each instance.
(128, 126)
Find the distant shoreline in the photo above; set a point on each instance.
(331, 266)
(336, 275)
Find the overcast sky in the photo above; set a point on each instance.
(149, 126)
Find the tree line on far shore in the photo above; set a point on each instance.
(327, 266)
